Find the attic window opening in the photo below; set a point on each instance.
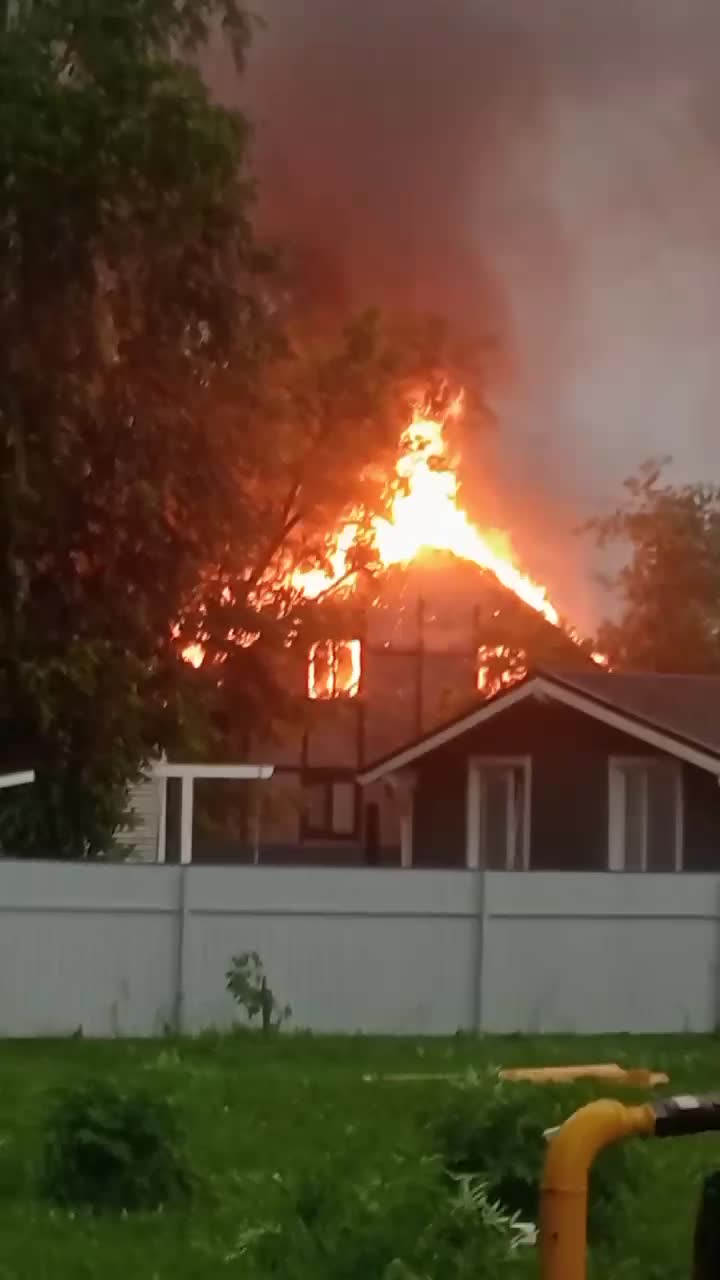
(334, 669)
(498, 666)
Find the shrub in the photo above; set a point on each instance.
(414, 1225)
(112, 1148)
(248, 986)
(495, 1132)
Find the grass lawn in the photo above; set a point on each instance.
(258, 1112)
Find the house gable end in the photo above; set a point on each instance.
(546, 688)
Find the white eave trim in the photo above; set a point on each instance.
(541, 686)
(163, 769)
(17, 779)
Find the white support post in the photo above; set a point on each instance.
(472, 825)
(162, 821)
(407, 829)
(187, 800)
(403, 785)
(255, 821)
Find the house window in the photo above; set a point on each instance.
(499, 814)
(334, 669)
(645, 815)
(331, 810)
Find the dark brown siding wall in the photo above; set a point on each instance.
(439, 813)
(569, 755)
(569, 817)
(701, 821)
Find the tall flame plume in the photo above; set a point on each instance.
(425, 514)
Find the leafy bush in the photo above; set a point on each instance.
(248, 986)
(414, 1225)
(495, 1132)
(109, 1148)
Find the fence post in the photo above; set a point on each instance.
(183, 913)
(481, 923)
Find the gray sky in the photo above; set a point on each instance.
(548, 171)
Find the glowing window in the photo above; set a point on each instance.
(334, 669)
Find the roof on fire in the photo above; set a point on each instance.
(678, 714)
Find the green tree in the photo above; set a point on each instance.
(174, 438)
(127, 274)
(668, 586)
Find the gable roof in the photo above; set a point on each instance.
(677, 714)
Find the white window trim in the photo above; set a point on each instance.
(616, 809)
(336, 832)
(328, 832)
(403, 784)
(474, 805)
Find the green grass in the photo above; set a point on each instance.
(261, 1111)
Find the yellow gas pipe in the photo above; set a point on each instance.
(563, 1200)
(571, 1151)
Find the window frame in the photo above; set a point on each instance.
(616, 844)
(325, 832)
(476, 764)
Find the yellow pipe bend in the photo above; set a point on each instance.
(563, 1200)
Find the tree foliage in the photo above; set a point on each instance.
(669, 584)
(174, 435)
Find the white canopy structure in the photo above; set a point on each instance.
(17, 779)
(187, 773)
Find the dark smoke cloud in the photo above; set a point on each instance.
(546, 170)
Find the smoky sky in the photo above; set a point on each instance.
(547, 171)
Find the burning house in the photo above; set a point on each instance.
(448, 620)
(433, 638)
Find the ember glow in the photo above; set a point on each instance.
(490, 680)
(194, 654)
(316, 582)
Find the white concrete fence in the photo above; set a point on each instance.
(121, 950)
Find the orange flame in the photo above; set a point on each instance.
(425, 514)
(194, 654)
(489, 680)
